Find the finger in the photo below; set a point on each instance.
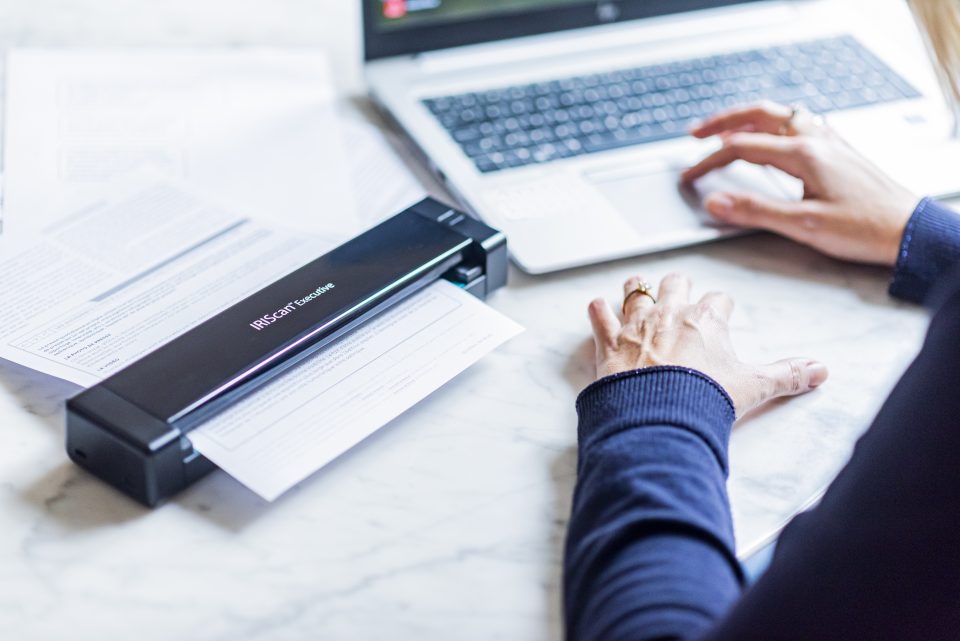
(790, 377)
(719, 302)
(635, 302)
(674, 290)
(757, 148)
(793, 219)
(766, 117)
(604, 321)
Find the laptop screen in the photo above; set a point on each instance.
(395, 27)
(399, 14)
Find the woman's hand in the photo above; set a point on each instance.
(850, 209)
(675, 332)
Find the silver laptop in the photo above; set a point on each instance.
(563, 122)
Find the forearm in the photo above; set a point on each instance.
(929, 249)
(650, 550)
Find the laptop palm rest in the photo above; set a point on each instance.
(652, 200)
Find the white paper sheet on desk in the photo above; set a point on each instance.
(121, 276)
(329, 403)
(255, 129)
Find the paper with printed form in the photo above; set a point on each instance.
(298, 423)
(254, 129)
(122, 276)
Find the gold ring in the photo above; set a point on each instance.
(788, 123)
(643, 289)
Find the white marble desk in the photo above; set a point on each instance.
(448, 524)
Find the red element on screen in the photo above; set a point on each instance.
(395, 8)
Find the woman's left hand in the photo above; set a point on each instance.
(674, 331)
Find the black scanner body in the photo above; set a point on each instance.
(132, 429)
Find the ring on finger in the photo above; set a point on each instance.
(642, 289)
(791, 119)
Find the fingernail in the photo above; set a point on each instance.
(817, 373)
(694, 125)
(719, 204)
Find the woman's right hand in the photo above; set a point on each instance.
(850, 209)
(670, 330)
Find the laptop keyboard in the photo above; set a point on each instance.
(533, 123)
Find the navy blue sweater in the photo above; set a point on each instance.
(650, 550)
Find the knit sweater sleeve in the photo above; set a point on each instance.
(650, 550)
(929, 249)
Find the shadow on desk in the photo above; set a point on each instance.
(37, 394)
(755, 253)
(765, 253)
(563, 472)
(78, 501)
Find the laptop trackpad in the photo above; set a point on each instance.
(652, 199)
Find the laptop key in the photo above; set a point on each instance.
(519, 125)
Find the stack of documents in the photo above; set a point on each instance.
(112, 244)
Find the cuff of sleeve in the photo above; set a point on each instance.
(678, 396)
(929, 249)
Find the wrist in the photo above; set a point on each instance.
(663, 395)
(930, 248)
(895, 235)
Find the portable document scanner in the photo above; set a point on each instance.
(132, 430)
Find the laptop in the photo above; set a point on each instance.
(563, 122)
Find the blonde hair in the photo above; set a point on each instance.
(940, 20)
